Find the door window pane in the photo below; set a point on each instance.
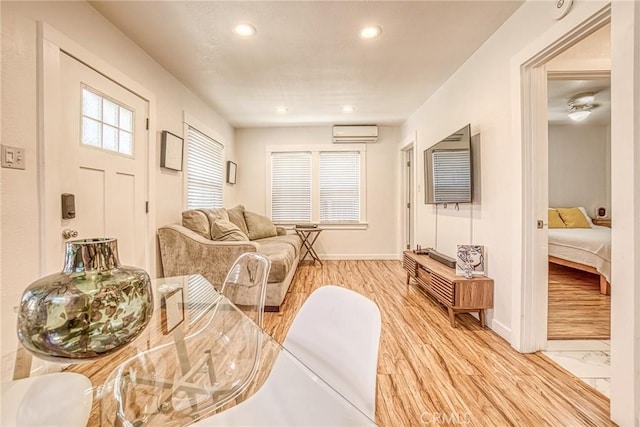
(91, 132)
(125, 142)
(109, 138)
(91, 104)
(106, 123)
(109, 112)
(126, 118)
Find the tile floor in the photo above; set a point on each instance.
(588, 360)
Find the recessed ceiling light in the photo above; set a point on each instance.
(244, 30)
(348, 109)
(282, 110)
(370, 32)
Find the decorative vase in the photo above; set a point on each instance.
(94, 307)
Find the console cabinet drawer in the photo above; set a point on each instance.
(442, 289)
(475, 293)
(410, 265)
(423, 277)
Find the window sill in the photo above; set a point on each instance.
(334, 226)
(345, 226)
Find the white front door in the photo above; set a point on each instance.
(102, 161)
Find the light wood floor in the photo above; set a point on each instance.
(577, 309)
(431, 374)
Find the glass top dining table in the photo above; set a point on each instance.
(201, 355)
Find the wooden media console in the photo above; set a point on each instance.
(458, 294)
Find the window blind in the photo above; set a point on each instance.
(291, 187)
(204, 171)
(339, 186)
(451, 179)
(201, 295)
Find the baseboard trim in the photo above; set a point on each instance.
(359, 257)
(500, 329)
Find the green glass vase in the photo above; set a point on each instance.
(94, 307)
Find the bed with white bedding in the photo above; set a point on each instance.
(587, 249)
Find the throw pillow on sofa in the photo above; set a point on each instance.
(197, 222)
(236, 216)
(259, 226)
(214, 214)
(226, 230)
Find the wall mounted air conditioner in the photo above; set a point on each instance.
(355, 134)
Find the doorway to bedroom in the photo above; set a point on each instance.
(579, 235)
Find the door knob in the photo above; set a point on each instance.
(67, 233)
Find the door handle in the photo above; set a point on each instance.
(541, 223)
(67, 233)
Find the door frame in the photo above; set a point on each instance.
(530, 124)
(410, 143)
(50, 45)
(625, 181)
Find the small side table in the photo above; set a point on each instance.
(309, 237)
(605, 222)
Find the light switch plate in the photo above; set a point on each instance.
(12, 157)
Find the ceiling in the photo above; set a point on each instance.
(561, 91)
(307, 55)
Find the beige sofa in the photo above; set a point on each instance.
(210, 240)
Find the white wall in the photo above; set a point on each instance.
(379, 240)
(578, 167)
(479, 93)
(591, 53)
(20, 264)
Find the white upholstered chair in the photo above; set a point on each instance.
(59, 399)
(336, 334)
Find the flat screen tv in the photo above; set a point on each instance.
(447, 169)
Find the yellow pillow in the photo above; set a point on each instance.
(573, 218)
(554, 219)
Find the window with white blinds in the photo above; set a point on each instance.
(311, 184)
(291, 187)
(451, 177)
(339, 186)
(204, 171)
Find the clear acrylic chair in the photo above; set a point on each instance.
(201, 371)
(246, 284)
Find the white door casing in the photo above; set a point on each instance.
(408, 191)
(137, 244)
(409, 205)
(530, 125)
(110, 188)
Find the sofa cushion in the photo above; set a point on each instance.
(291, 239)
(214, 214)
(226, 230)
(282, 256)
(259, 226)
(197, 222)
(236, 216)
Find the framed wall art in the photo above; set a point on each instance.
(232, 171)
(171, 151)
